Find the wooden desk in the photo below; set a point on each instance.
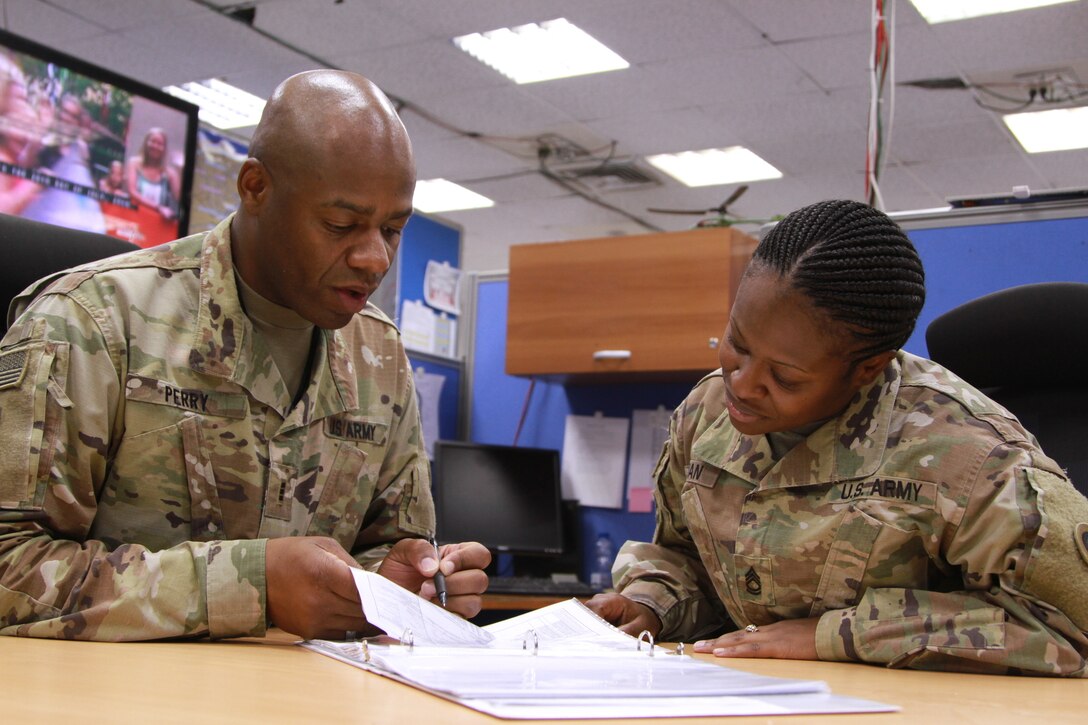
(519, 602)
(272, 681)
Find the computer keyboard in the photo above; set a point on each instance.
(538, 585)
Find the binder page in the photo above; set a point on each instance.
(505, 674)
(570, 624)
(399, 612)
(557, 708)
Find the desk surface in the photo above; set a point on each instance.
(273, 681)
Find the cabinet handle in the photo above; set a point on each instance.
(612, 355)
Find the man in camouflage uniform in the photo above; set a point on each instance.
(201, 438)
(904, 518)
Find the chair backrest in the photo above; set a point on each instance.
(1026, 347)
(30, 250)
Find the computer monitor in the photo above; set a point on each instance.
(505, 497)
(86, 148)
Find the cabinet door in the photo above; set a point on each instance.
(653, 303)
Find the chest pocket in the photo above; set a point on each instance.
(164, 485)
(345, 497)
(710, 510)
(867, 552)
(162, 489)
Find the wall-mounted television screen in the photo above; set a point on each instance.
(83, 147)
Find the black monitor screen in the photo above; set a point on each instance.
(507, 498)
(85, 148)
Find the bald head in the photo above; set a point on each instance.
(318, 115)
(324, 196)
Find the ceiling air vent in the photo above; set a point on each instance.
(613, 175)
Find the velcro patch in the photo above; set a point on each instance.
(349, 428)
(12, 367)
(919, 493)
(1081, 535)
(207, 402)
(702, 474)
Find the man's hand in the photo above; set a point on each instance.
(630, 616)
(311, 591)
(790, 639)
(411, 563)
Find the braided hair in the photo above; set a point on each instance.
(855, 264)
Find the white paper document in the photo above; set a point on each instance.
(428, 394)
(594, 454)
(561, 661)
(442, 286)
(649, 431)
(417, 326)
(405, 616)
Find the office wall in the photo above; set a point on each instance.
(965, 262)
(961, 263)
(425, 239)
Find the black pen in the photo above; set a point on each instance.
(439, 577)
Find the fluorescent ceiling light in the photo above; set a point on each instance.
(943, 11)
(715, 166)
(221, 104)
(1058, 129)
(435, 195)
(540, 52)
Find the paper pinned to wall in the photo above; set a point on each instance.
(442, 286)
(445, 335)
(417, 326)
(428, 393)
(649, 431)
(594, 454)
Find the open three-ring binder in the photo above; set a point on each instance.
(560, 661)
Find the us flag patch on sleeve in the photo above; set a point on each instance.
(12, 365)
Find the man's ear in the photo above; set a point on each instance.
(866, 371)
(253, 185)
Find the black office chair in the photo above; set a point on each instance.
(30, 250)
(1027, 348)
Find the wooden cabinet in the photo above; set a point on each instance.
(649, 306)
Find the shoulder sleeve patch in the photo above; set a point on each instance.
(1081, 535)
(12, 368)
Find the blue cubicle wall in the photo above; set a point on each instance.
(428, 239)
(961, 263)
(965, 262)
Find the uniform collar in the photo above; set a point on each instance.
(849, 446)
(225, 345)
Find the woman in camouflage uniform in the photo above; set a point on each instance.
(826, 495)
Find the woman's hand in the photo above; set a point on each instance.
(790, 639)
(629, 616)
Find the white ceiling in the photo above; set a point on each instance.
(786, 78)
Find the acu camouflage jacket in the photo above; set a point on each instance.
(148, 449)
(923, 527)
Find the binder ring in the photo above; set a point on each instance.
(645, 634)
(525, 641)
(680, 649)
(408, 638)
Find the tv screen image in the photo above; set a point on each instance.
(507, 498)
(85, 148)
